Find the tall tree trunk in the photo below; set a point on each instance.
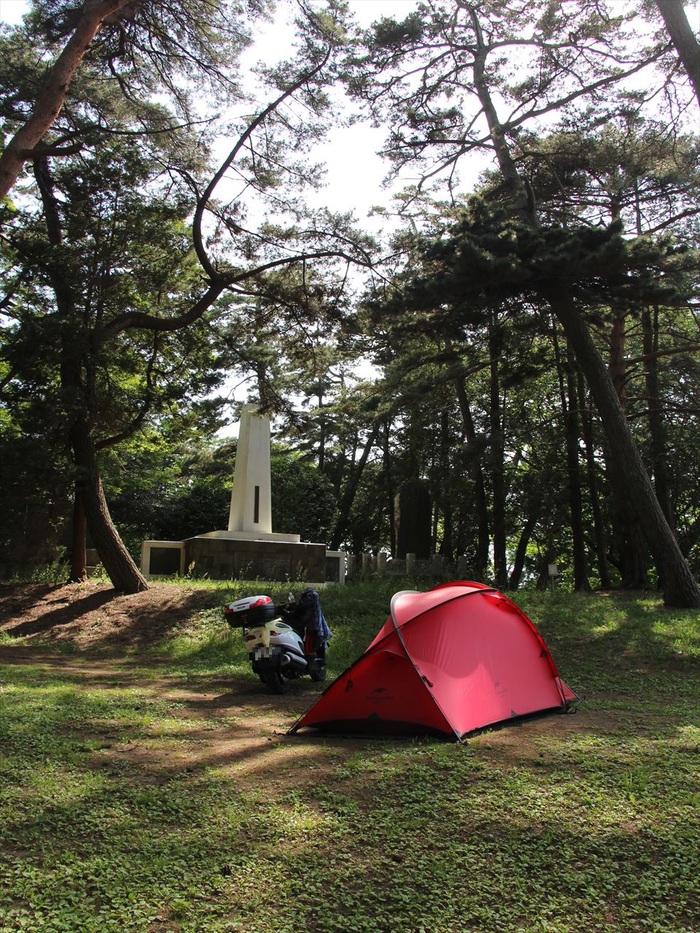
(633, 554)
(321, 431)
(443, 497)
(348, 496)
(498, 483)
(657, 433)
(78, 565)
(679, 587)
(594, 490)
(572, 432)
(480, 499)
(117, 561)
(388, 483)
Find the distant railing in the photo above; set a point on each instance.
(436, 567)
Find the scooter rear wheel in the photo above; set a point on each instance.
(276, 681)
(318, 675)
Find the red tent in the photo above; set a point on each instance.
(447, 662)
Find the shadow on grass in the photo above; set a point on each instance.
(98, 616)
(63, 615)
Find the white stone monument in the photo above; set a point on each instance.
(251, 500)
(250, 515)
(249, 548)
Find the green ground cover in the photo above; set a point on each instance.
(569, 824)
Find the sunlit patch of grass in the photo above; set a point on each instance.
(680, 632)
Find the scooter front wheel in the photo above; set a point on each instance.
(275, 680)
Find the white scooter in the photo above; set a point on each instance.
(280, 650)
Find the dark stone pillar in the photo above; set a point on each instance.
(413, 520)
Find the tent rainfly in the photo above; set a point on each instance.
(448, 662)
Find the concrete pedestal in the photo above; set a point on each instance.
(220, 557)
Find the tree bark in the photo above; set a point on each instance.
(443, 497)
(348, 497)
(390, 491)
(683, 38)
(679, 587)
(78, 566)
(569, 402)
(117, 561)
(633, 560)
(53, 92)
(498, 479)
(593, 489)
(629, 551)
(480, 499)
(573, 434)
(657, 433)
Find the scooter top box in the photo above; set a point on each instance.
(250, 611)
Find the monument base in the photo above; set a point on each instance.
(225, 555)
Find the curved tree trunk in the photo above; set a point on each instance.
(48, 105)
(117, 561)
(91, 506)
(679, 587)
(683, 38)
(523, 541)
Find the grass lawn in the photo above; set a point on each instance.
(151, 789)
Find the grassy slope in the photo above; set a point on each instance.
(574, 824)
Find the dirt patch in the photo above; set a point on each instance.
(92, 615)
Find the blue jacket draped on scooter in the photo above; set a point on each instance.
(309, 614)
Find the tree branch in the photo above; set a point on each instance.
(53, 92)
(208, 192)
